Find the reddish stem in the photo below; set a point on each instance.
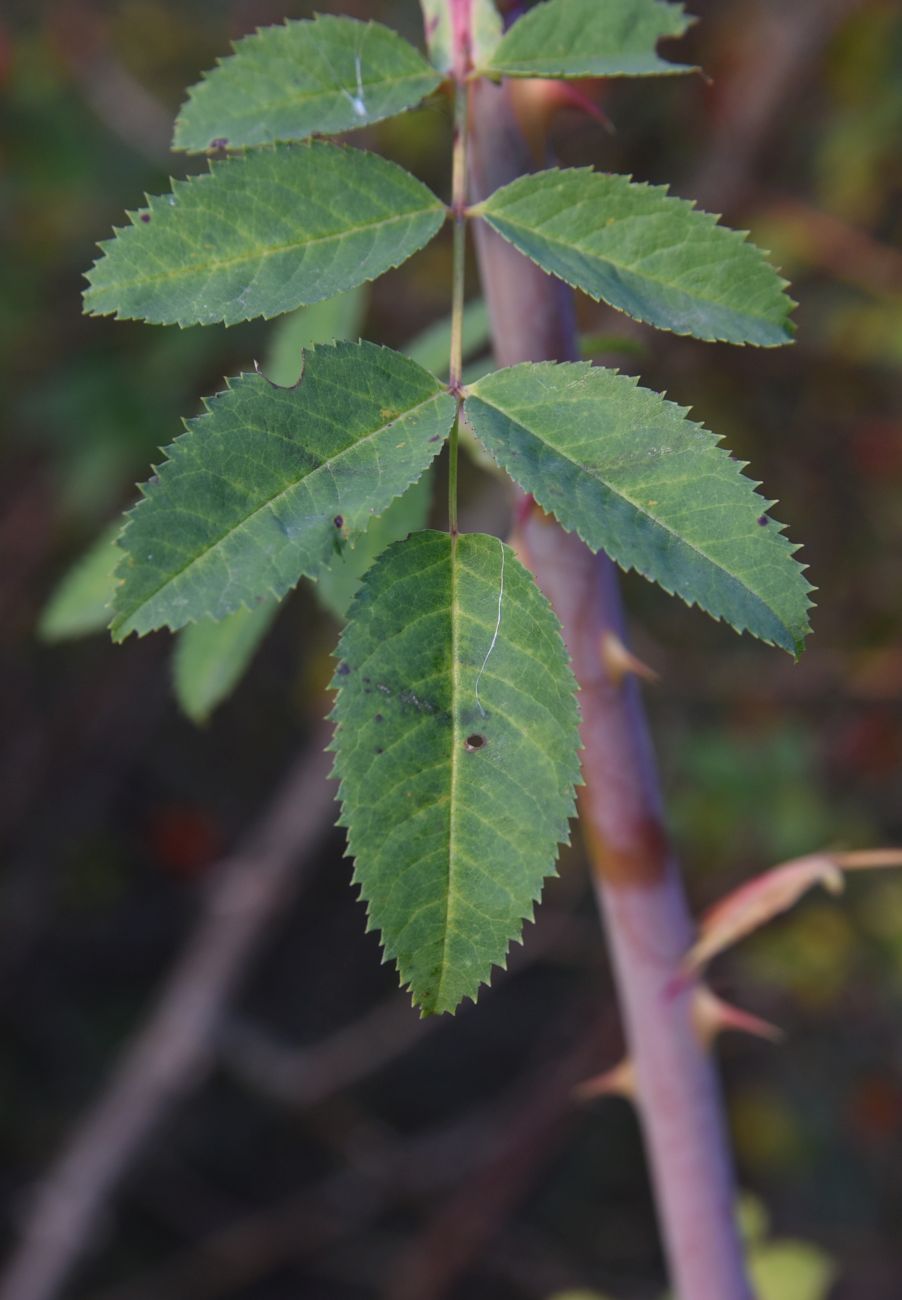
(636, 876)
(461, 36)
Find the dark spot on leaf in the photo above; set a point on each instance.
(378, 718)
(474, 742)
(367, 680)
(409, 697)
(436, 437)
(343, 670)
(763, 521)
(145, 217)
(338, 521)
(221, 142)
(378, 750)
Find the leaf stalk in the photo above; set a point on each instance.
(458, 273)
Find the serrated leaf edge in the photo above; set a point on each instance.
(317, 19)
(716, 441)
(157, 471)
(668, 70)
(575, 779)
(712, 219)
(159, 202)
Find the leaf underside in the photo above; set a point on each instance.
(629, 473)
(457, 751)
(262, 233)
(288, 82)
(590, 38)
(270, 483)
(81, 601)
(211, 658)
(655, 257)
(323, 322)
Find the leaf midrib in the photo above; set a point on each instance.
(453, 776)
(198, 268)
(641, 510)
(623, 267)
(200, 556)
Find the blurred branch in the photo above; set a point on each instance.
(378, 1171)
(787, 44)
(117, 98)
(844, 252)
(172, 1050)
(302, 1077)
(475, 1212)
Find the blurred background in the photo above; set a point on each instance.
(305, 1134)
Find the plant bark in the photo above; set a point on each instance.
(635, 873)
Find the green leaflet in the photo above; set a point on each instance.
(80, 603)
(271, 483)
(303, 78)
(261, 234)
(457, 750)
(653, 256)
(590, 38)
(629, 473)
(211, 658)
(339, 583)
(486, 28)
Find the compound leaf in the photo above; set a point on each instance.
(655, 257)
(81, 601)
(262, 233)
(211, 658)
(457, 749)
(270, 483)
(485, 25)
(287, 82)
(629, 473)
(590, 38)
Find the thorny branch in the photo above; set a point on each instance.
(637, 879)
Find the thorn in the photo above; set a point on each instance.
(617, 1082)
(525, 507)
(759, 900)
(578, 99)
(618, 661)
(713, 1016)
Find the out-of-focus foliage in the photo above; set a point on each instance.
(779, 1269)
(81, 602)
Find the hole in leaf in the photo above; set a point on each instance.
(474, 742)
